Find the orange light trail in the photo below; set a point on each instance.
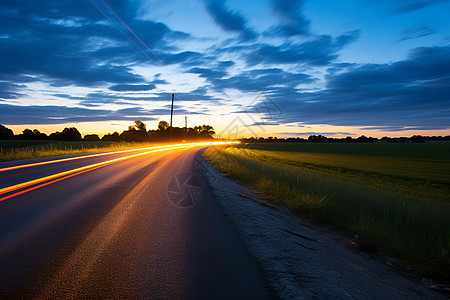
(43, 181)
(44, 184)
(78, 157)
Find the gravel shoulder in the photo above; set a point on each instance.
(303, 262)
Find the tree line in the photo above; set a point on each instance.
(136, 133)
(361, 139)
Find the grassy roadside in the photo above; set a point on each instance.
(15, 150)
(379, 200)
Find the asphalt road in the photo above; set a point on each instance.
(129, 229)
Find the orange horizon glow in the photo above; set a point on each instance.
(221, 123)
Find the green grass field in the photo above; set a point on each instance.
(24, 149)
(396, 195)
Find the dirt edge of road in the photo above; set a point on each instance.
(301, 262)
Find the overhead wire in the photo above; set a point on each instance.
(131, 30)
(101, 11)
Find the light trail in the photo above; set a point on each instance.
(131, 31)
(97, 155)
(88, 167)
(79, 157)
(43, 181)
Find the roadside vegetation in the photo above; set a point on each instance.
(396, 195)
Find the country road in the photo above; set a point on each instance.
(119, 226)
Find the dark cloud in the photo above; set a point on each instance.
(406, 6)
(229, 20)
(62, 43)
(316, 51)
(262, 123)
(18, 115)
(186, 58)
(256, 80)
(132, 87)
(8, 90)
(224, 65)
(416, 32)
(71, 43)
(400, 128)
(100, 98)
(177, 110)
(408, 93)
(293, 22)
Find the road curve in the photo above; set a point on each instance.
(128, 229)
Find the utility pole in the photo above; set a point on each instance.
(171, 117)
(171, 111)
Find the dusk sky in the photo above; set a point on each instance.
(251, 68)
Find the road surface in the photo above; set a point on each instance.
(124, 229)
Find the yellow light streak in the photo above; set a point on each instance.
(79, 157)
(101, 164)
(96, 155)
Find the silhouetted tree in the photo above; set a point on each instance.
(6, 133)
(55, 135)
(134, 135)
(205, 131)
(163, 125)
(363, 139)
(417, 139)
(115, 137)
(140, 125)
(317, 138)
(39, 135)
(28, 134)
(70, 134)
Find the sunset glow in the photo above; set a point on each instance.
(248, 68)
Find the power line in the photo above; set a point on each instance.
(101, 11)
(132, 31)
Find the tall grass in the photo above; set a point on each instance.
(415, 231)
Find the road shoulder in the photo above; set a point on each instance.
(301, 262)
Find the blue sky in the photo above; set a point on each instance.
(261, 68)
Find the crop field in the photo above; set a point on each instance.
(396, 195)
(24, 149)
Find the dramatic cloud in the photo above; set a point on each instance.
(79, 49)
(253, 81)
(17, 115)
(400, 128)
(229, 20)
(406, 6)
(68, 52)
(416, 32)
(408, 93)
(292, 20)
(132, 87)
(317, 51)
(7, 90)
